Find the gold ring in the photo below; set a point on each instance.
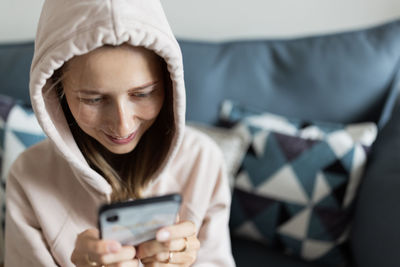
(90, 262)
(170, 256)
(186, 245)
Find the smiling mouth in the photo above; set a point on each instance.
(122, 140)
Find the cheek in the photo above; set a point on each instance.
(152, 108)
(84, 115)
(87, 116)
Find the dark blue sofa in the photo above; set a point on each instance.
(346, 77)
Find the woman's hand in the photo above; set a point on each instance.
(91, 251)
(175, 245)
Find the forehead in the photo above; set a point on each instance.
(114, 66)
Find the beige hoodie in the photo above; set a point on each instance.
(52, 193)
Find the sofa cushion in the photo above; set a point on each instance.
(251, 253)
(375, 237)
(6, 104)
(345, 77)
(21, 130)
(297, 183)
(232, 142)
(15, 63)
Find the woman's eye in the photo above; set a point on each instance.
(91, 100)
(141, 94)
(144, 93)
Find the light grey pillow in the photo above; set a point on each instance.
(233, 143)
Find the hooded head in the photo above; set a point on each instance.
(107, 76)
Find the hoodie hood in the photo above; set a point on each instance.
(72, 28)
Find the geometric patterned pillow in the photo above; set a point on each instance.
(296, 185)
(19, 130)
(6, 103)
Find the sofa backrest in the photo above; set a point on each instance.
(345, 77)
(15, 63)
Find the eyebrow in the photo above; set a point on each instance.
(94, 92)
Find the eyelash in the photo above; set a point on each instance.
(144, 94)
(91, 101)
(94, 101)
(141, 95)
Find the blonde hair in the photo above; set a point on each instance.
(130, 173)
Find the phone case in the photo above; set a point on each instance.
(137, 221)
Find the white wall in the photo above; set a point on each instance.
(18, 19)
(231, 19)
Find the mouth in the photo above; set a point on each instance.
(121, 140)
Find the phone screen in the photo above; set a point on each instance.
(137, 221)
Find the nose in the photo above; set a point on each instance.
(123, 119)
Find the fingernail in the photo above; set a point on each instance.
(163, 235)
(113, 247)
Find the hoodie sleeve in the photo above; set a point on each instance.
(214, 231)
(199, 168)
(25, 244)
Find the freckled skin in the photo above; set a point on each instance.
(114, 94)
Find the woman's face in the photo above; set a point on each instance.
(115, 94)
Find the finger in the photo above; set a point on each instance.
(126, 253)
(130, 263)
(183, 244)
(161, 264)
(186, 258)
(176, 245)
(93, 232)
(88, 241)
(179, 230)
(172, 258)
(89, 245)
(192, 243)
(153, 247)
(150, 248)
(99, 247)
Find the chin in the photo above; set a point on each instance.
(120, 151)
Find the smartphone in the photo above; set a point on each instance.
(134, 222)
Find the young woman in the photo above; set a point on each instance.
(107, 88)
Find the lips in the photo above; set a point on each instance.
(121, 140)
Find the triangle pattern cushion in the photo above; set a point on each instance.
(293, 147)
(6, 103)
(295, 188)
(21, 131)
